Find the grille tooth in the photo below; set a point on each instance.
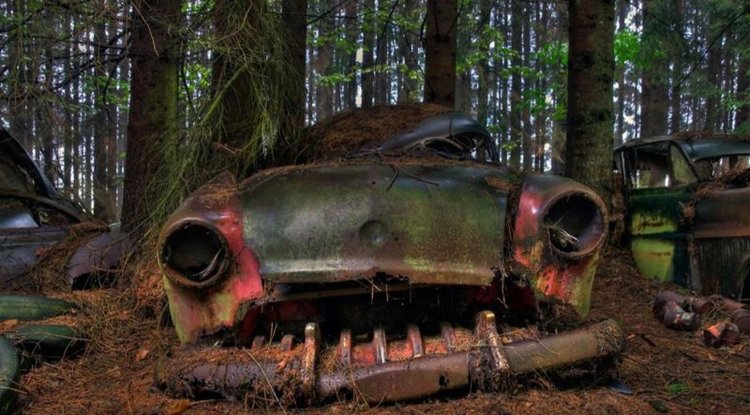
(449, 336)
(287, 342)
(258, 342)
(380, 346)
(414, 338)
(345, 347)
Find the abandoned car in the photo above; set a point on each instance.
(34, 218)
(386, 256)
(687, 197)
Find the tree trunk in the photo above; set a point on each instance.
(622, 12)
(743, 93)
(293, 17)
(483, 68)
(516, 132)
(350, 90)
(440, 53)
(383, 74)
(323, 60)
(407, 45)
(154, 54)
(714, 76)
(558, 139)
(654, 100)
(590, 108)
(675, 122)
(103, 202)
(368, 48)
(528, 142)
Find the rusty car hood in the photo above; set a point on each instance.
(437, 223)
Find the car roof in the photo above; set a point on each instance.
(14, 151)
(448, 124)
(699, 145)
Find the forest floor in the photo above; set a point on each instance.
(667, 371)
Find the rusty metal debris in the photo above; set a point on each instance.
(688, 303)
(721, 334)
(383, 370)
(675, 317)
(671, 308)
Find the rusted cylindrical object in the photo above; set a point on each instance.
(721, 334)
(599, 340)
(691, 304)
(676, 318)
(741, 317)
(699, 305)
(730, 306)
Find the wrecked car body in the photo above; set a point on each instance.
(687, 220)
(34, 218)
(387, 255)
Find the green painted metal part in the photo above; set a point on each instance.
(435, 224)
(659, 232)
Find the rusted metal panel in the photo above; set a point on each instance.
(95, 258)
(565, 276)
(697, 147)
(438, 224)
(723, 264)
(423, 223)
(659, 233)
(199, 311)
(723, 213)
(21, 249)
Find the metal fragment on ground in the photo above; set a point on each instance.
(721, 334)
(675, 317)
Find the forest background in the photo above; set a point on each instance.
(65, 77)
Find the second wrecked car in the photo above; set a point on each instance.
(34, 218)
(387, 254)
(687, 197)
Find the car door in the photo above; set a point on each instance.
(660, 183)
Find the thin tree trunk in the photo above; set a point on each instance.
(743, 93)
(714, 77)
(293, 17)
(528, 142)
(383, 75)
(103, 208)
(516, 131)
(322, 63)
(368, 49)
(654, 104)
(440, 53)
(350, 90)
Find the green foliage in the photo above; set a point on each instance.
(255, 71)
(627, 47)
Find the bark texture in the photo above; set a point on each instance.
(293, 15)
(440, 53)
(590, 108)
(154, 54)
(655, 97)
